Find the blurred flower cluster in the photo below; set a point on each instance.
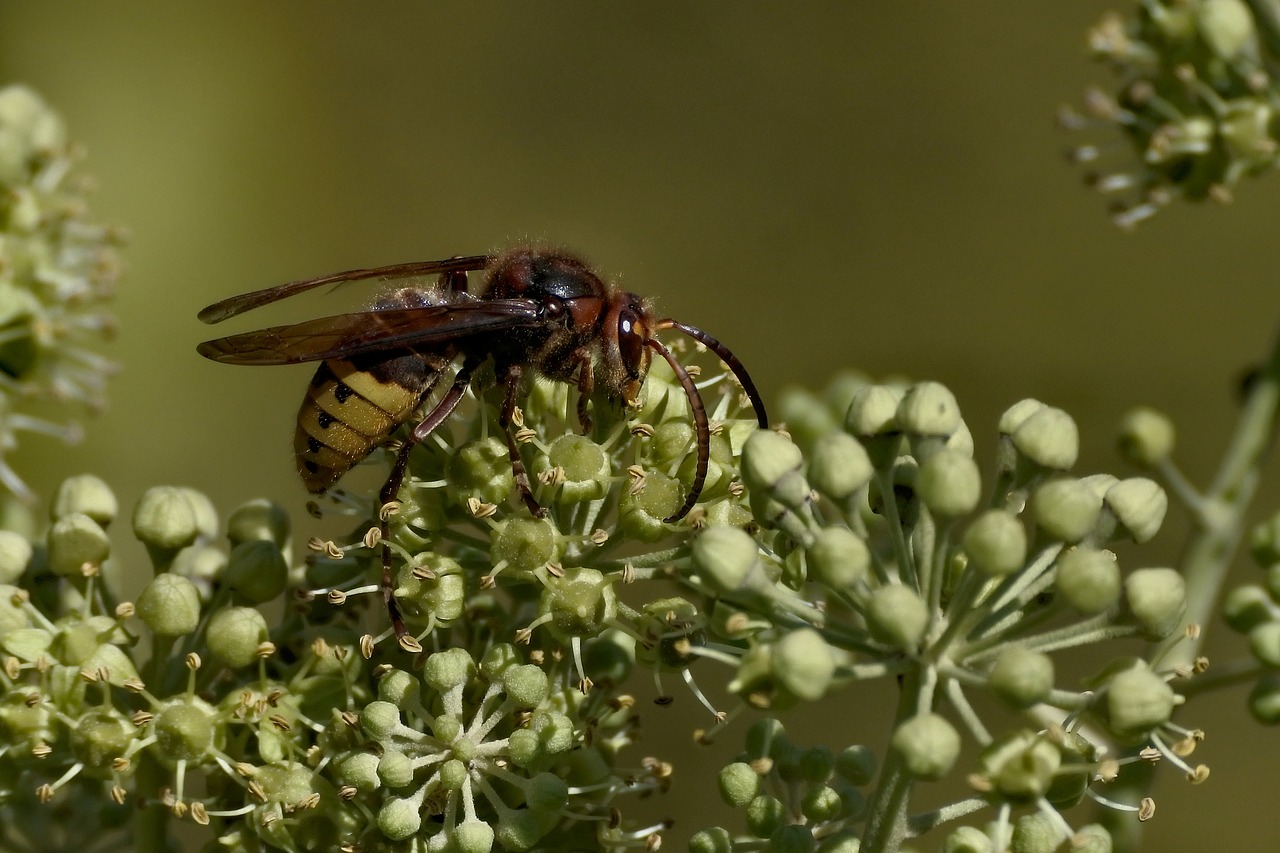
(57, 268)
(1196, 102)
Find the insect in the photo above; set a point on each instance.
(541, 312)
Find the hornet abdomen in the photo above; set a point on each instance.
(351, 408)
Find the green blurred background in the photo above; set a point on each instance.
(825, 185)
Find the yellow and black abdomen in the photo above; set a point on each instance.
(351, 408)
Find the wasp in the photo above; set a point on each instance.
(540, 312)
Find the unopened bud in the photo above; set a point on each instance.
(1146, 436)
(85, 494)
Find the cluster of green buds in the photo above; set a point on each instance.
(56, 270)
(883, 558)
(1196, 101)
(112, 709)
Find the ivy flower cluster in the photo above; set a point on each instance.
(57, 269)
(1195, 101)
(500, 720)
(884, 558)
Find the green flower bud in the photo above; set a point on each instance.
(1048, 437)
(1227, 28)
(360, 771)
(234, 635)
(838, 558)
(432, 588)
(821, 804)
(395, 769)
(447, 729)
(927, 745)
(582, 603)
(641, 513)
(773, 466)
(1246, 607)
(897, 616)
(1066, 510)
(817, 764)
(556, 731)
(839, 465)
(448, 669)
(803, 664)
(164, 519)
(1017, 414)
(1264, 700)
(1020, 765)
(1139, 505)
(497, 659)
(1036, 833)
(256, 571)
(949, 484)
(87, 495)
(765, 815)
(380, 720)
(480, 469)
(739, 784)
(399, 818)
(928, 409)
(1264, 642)
(472, 836)
(547, 793)
(524, 748)
(525, 544)
(967, 839)
(873, 412)
(1089, 579)
(169, 605)
(526, 685)
(996, 543)
(856, 764)
(399, 688)
(713, 840)
(285, 782)
(585, 465)
(1146, 437)
(75, 541)
(1021, 677)
(806, 415)
(15, 554)
(257, 520)
(1264, 541)
(791, 838)
(206, 512)
(100, 737)
(185, 730)
(1137, 701)
(1156, 600)
(728, 560)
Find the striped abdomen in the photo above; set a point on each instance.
(351, 408)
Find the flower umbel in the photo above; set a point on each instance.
(1196, 102)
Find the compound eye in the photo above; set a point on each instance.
(631, 338)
